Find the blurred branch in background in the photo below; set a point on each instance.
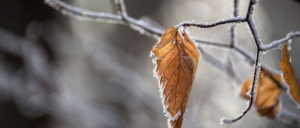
(33, 83)
(50, 96)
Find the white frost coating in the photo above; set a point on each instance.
(186, 31)
(248, 93)
(256, 76)
(174, 117)
(139, 29)
(180, 30)
(248, 103)
(154, 72)
(151, 54)
(155, 67)
(185, 22)
(290, 43)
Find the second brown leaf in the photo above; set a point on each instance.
(288, 74)
(268, 93)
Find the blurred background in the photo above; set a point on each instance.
(60, 72)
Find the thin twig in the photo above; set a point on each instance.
(236, 9)
(214, 24)
(275, 44)
(252, 91)
(255, 33)
(233, 34)
(257, 64)
(83, 14)
(121, 9)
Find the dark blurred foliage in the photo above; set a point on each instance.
(15, 16)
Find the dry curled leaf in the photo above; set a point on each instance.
(268, 92)
(176, 59)
(288, 74)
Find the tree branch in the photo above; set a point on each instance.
(121, 10)
(275, 44)
(252, 91)
(147, 29)
(255, 33)
(233, 34)
(214, 24)
(83, 14)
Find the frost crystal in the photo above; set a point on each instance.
(151, 54)
(175, 117)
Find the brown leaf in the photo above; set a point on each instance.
(268, 92)
(288, 74)
(176, 58)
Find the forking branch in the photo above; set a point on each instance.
(123, 18)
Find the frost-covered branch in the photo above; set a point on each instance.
(214, 24)
(233, 34)
(255, 33)
(83, 14)
(260, 48)
(275, 44)
(257, 63)
(121, 9)
(252, 91)
(150, 30)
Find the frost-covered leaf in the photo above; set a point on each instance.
(176, 59)
(288, 74)
(268, 92)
